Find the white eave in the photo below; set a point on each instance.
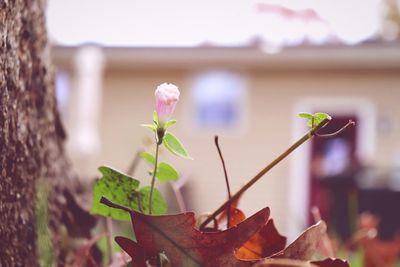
(361, 57)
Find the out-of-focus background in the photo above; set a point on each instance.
(245, 69)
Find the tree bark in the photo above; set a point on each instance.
(31, 134)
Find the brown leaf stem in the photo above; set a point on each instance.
(107, 202)
(293, 147)
(228, 209)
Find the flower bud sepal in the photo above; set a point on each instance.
(160, 135)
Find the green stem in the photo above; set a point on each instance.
(153, 179)
(299, 142)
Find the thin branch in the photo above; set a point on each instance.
(228, 210)
(334, 134)
(176, 187)
(223, 165)
(107, 202)
(134, 163)
(303, 139)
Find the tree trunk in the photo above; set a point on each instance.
(31, 134)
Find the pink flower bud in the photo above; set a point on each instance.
(167, 95)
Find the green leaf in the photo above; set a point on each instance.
(152, 127)
(316, 119)
(319, 117)
(175, 146)
(148, 157)
(117, 187)
(155, 118)
(159, 204)
(305, 115)
(166, 172)
(169, 124)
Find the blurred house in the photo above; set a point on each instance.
(248, 96)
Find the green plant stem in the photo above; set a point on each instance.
(298, 143)
(153, 179)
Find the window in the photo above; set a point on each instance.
(218, 100)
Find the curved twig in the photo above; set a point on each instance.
(330, 135)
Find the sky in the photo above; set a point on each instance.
(131, 23)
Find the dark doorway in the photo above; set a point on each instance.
(333, 168)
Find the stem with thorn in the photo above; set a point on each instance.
(228, 209)
(298, 143)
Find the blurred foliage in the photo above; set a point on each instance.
(44, 243)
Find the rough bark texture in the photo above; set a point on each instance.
(31, 135)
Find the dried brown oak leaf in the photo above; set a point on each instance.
(331, 263)
(284, 263)
(298, 263)
(300, 252)
(266, 242)
(236, 216)
(183, 244)
(305, 246)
